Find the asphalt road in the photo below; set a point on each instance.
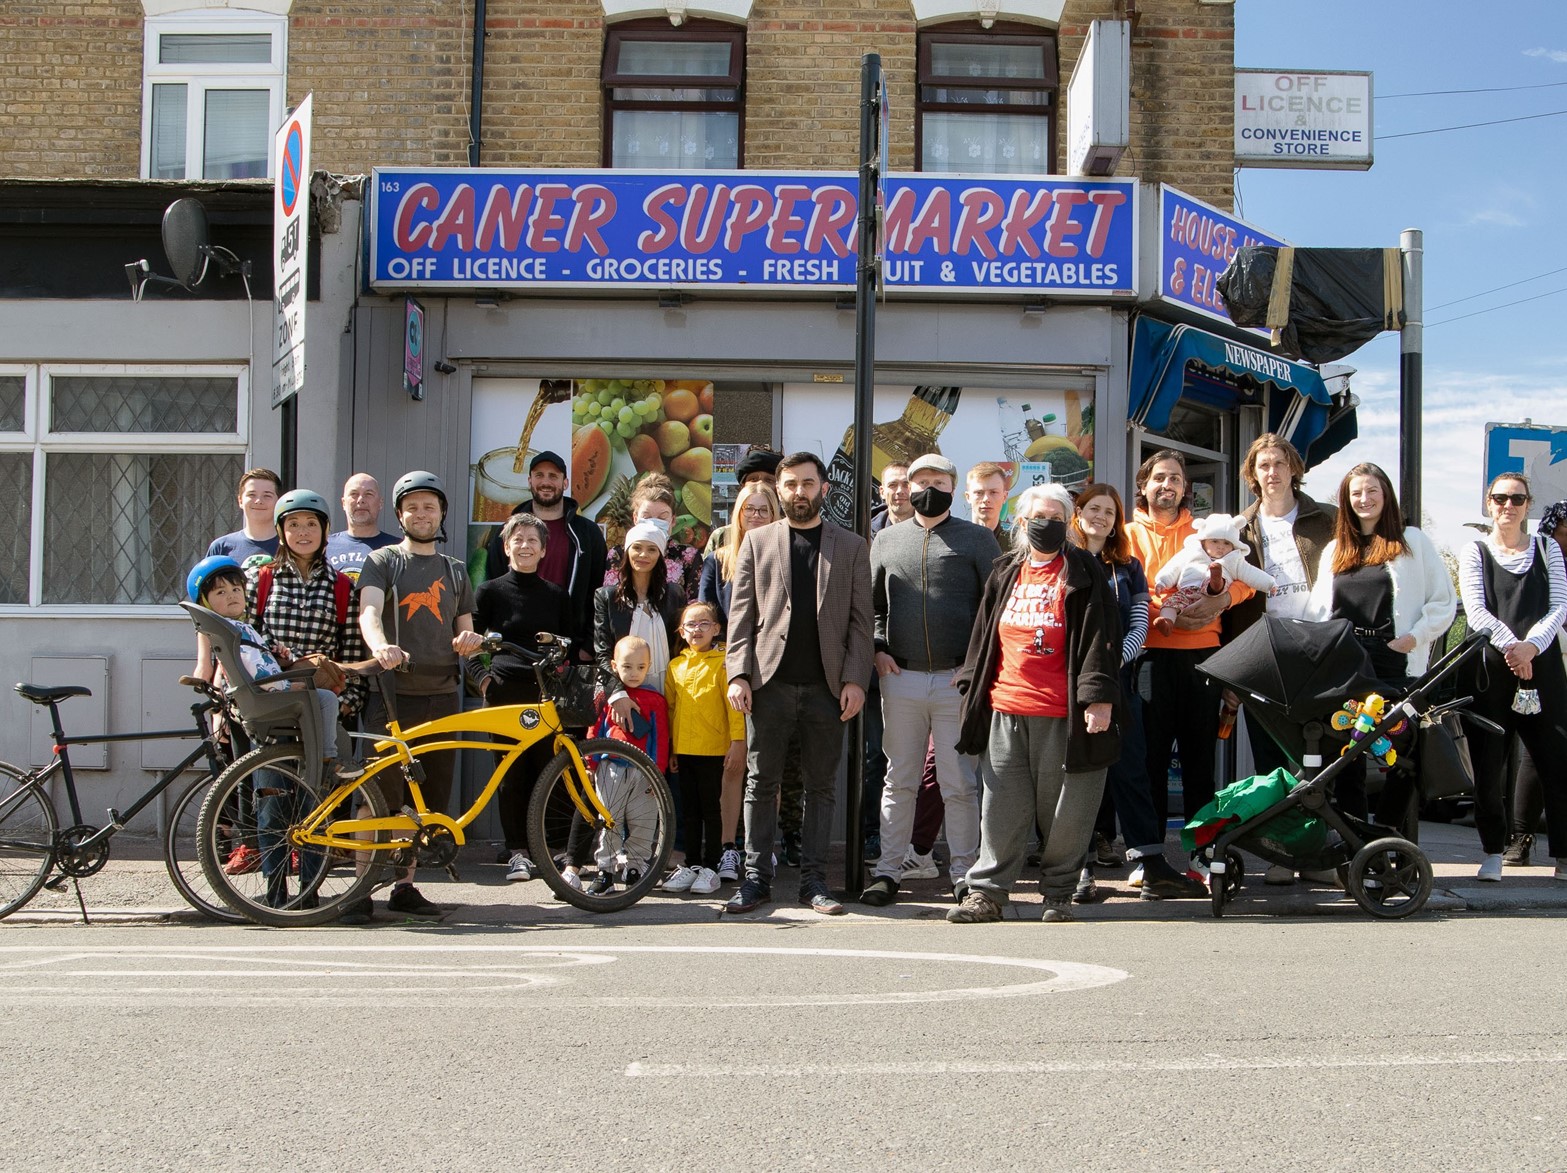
(790, 1043)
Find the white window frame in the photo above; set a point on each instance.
(38, 437)
(199, 78)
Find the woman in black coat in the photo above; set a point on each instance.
(1041, 705)
(643, 603)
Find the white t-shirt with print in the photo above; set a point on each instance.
(1281, 559)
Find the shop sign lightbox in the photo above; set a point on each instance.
(1303, 118)
(490, 229)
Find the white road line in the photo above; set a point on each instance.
(1204, 1063)
(313, 965)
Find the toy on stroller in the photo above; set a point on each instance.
(1294, 677)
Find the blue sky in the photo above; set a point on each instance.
(1487, 199)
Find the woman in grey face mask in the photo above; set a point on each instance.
(1041, 705)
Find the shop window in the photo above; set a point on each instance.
(987, 100)
(212, 94)
(119, 478)
(674, 96)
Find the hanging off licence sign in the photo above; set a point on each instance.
(519, 230)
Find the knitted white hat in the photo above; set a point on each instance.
(1222, 526)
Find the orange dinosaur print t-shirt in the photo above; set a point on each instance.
(424, 595)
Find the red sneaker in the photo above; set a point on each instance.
(243, 860)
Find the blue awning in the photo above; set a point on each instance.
(1171, 362)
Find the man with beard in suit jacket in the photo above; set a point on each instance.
(799, 659)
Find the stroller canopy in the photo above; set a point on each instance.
(1301, 668)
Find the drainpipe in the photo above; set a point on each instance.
(476, 105)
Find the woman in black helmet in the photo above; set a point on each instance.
(297, 600)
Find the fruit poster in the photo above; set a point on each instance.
(611, 432)
(623, 429)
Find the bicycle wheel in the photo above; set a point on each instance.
(279, 885)
(27, 830)
(618, 867)
(182, 853)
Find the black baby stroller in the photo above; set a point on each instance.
(1293, 675)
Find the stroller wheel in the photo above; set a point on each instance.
(1390, 878)
(1223, 885)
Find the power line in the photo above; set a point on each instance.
(1486, 90)
(1494, 308)
(1498, 289)
(1471, 125)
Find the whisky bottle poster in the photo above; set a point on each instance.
(1049, 430)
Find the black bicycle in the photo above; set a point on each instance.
(34, 851)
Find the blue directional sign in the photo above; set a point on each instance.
(1536, 451)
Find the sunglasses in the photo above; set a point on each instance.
(1509, 498)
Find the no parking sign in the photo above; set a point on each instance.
(290, 251)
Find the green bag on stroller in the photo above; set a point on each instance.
(1293, 833)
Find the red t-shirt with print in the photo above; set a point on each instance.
(1032, 680)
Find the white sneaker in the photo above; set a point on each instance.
(679, 880)
(520, 867)
(729, 864)
(1279, 875)
(1561, 869)
(1135, 880)
(571, 880)
(1491, 869)
(1197, 869)
(706, 882)
(917, 867)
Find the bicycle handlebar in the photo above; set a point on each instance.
(556, 648)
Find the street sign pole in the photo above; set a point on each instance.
(1410, 373)
(290, 266)
(867, 269)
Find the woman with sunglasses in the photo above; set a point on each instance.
(1390, 582)
(1528, 791)
(1515, 593)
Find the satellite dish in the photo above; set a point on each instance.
(185, 240)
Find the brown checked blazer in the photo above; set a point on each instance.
(760, 605)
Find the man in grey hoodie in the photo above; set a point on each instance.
(926, 583)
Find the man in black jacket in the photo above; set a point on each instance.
(575, 557)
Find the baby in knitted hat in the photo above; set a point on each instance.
(1211, 559)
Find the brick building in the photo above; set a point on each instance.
(393, 81)
(117, 107)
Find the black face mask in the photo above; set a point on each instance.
(1046, 534)
(930, 501)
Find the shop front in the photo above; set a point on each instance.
(649, 322)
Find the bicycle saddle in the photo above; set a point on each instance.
(46, 695)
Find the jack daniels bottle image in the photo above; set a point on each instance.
(899, 441)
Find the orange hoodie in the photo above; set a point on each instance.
(1155, 544)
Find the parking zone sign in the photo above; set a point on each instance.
(290, 251)
(1538, 451)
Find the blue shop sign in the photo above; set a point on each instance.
(1196, 244)
(495, 230)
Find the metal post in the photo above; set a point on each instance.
(288, 417)
(1411, 351)
(476, 99)
(864, 386)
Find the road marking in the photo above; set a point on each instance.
(1203, 1063)
(288, 971)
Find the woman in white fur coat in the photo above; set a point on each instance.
(1391, 583)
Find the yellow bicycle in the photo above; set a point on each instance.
(601, 805)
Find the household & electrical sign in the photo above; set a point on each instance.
(1196, 242)
(516, 230)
